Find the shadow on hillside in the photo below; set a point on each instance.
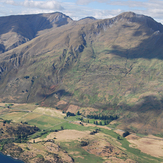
(144, 105)
(25, 25)
(144, 117)
(149, 49)
(59, 93)
(148, 113)
(149, 103)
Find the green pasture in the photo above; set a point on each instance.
(14, 116)
(135, 154)
(44, 121)
(74, 146)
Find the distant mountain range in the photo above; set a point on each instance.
(112, 64)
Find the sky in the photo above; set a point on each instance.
(77, 9)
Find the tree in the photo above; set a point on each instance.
(78, 113)
(126, 133)
(100, 123)
(84, 143)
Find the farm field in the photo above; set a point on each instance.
(69, 140)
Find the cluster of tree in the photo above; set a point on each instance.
(5, 141)
(22, 130)
(100, 123)
(94, 131)
(103, 117)
(70, 114)
(80, 118)
(18, 139)
(126, 133)
(6, 121)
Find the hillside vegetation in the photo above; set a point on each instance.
(113, 65)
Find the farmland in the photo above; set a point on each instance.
(66, 139)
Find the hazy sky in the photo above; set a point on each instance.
(78, 9)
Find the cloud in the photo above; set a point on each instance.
(51, 4)
(34, 11)
(151, 8)
(84, 2)
(11, 2)
(48, 4)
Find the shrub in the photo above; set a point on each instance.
(84, 143)
(26, 77)
(119, 137)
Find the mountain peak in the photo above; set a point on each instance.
(141, 19)
(89, 17)
(86, 20)
(132, 16)
(129, 14)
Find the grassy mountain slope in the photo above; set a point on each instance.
(112, 64)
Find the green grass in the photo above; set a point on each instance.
(87, 157)
(15, 116)
(41, 135)
(71, 126)
(44, 122)
(113, 125)
(159, 135)
(142, 157)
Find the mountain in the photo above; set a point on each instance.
(114, 65)
(16, 30)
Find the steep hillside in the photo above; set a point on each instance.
(112, 64)
(16, 30)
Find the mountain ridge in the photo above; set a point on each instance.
(113, 64)
(27, 27)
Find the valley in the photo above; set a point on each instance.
(81, 91)
(66, 139)
(113, 65)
